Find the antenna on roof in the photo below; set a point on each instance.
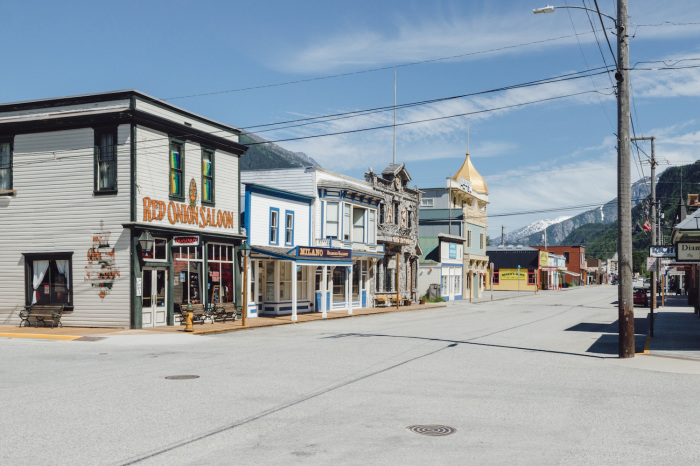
(394, 116)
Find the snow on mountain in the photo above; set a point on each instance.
(534, 227)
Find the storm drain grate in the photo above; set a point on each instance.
(433, 430)
(181, 377)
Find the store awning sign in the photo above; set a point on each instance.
(325, 253)
(186, 241)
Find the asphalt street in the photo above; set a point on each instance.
(533, 379)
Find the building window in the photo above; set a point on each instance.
(566, 257)
(531, 277)
(157, 251)
(445, 288)
(187, 266)
(469, 238)
(481, 241)
(346, 221)
(285, 280)
(177, 169)
(397, 217)
(339, 277)
(302, 283)
(220, 274)
(409, 214)
(381, 214)
(289, 228)
(358, 224)
(426, 203)
(5, 167)
(372, 228)
(274, 225)
(332, 220)
(496, 276)
(207, 176)
(106, 160)
(49, 279)
(458, 282)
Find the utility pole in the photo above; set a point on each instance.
(624, 194)
(654, 273)
(502, 237)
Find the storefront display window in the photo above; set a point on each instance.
(285, 280)
(445, 285)
(220, 273)
(188, 266)
(269, 281)
(356, 279)
(158, 251)
(339, 284)
(49, 280)
(302, 283)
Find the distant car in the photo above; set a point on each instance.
(647, 283)
(640, 296)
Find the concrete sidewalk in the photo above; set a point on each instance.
(676, 330)
(208, 328)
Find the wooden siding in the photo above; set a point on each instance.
(259, 232)
(55, 210)
(191, 120)
(294, 180)
(153, 178)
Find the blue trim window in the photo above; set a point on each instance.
(332, 220)
(274, 225)
(289, 228)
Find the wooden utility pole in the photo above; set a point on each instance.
(624, 191)
(397, 281)
(502, 237)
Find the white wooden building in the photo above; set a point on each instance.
(82, 178)
(313, 235)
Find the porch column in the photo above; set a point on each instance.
(324, 292)
(294, 291)
(348, 287)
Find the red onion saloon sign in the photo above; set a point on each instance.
(183, 214)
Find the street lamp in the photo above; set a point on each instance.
(245, 249)
(146, 241)
(624, 196)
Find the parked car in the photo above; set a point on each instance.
(641, 296)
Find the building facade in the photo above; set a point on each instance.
(442, 263)
(314, 241)
(460, 209)
(575, 259)
(93, 174)
(397, 231)
(515, 268)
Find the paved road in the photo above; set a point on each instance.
(527, 380)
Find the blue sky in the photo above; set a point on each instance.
(557, 153)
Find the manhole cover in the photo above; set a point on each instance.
(182, 377)
(433, 430)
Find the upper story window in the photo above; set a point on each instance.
(358, 224)
(372, 227)
(481, 241)
(469, 238)
(426, 202)
(397, 217)
(289, 228)
(346, 221)
(274, 225)
(331, 220)
(177, 169)
(106, 160)
(207, 176)
(5, 167)
(566, 257)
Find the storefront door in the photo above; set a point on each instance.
(154, 306)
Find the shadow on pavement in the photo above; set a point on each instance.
(641, 327)
(608, 344)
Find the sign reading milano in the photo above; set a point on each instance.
(325, 253)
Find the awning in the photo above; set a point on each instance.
(573, 274)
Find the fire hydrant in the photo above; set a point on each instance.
(188, 319)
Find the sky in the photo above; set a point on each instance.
(547, 149)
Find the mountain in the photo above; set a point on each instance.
(604, 214)
(530, 229)
(263, 154)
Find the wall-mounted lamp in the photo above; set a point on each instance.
(146, 241)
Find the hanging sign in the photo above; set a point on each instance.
(186, 241)
(326, 253)
(689, 252)
(662, 251)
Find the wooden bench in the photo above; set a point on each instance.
(41, 312)
(199, 313)
(384, 300)
(224, 311)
